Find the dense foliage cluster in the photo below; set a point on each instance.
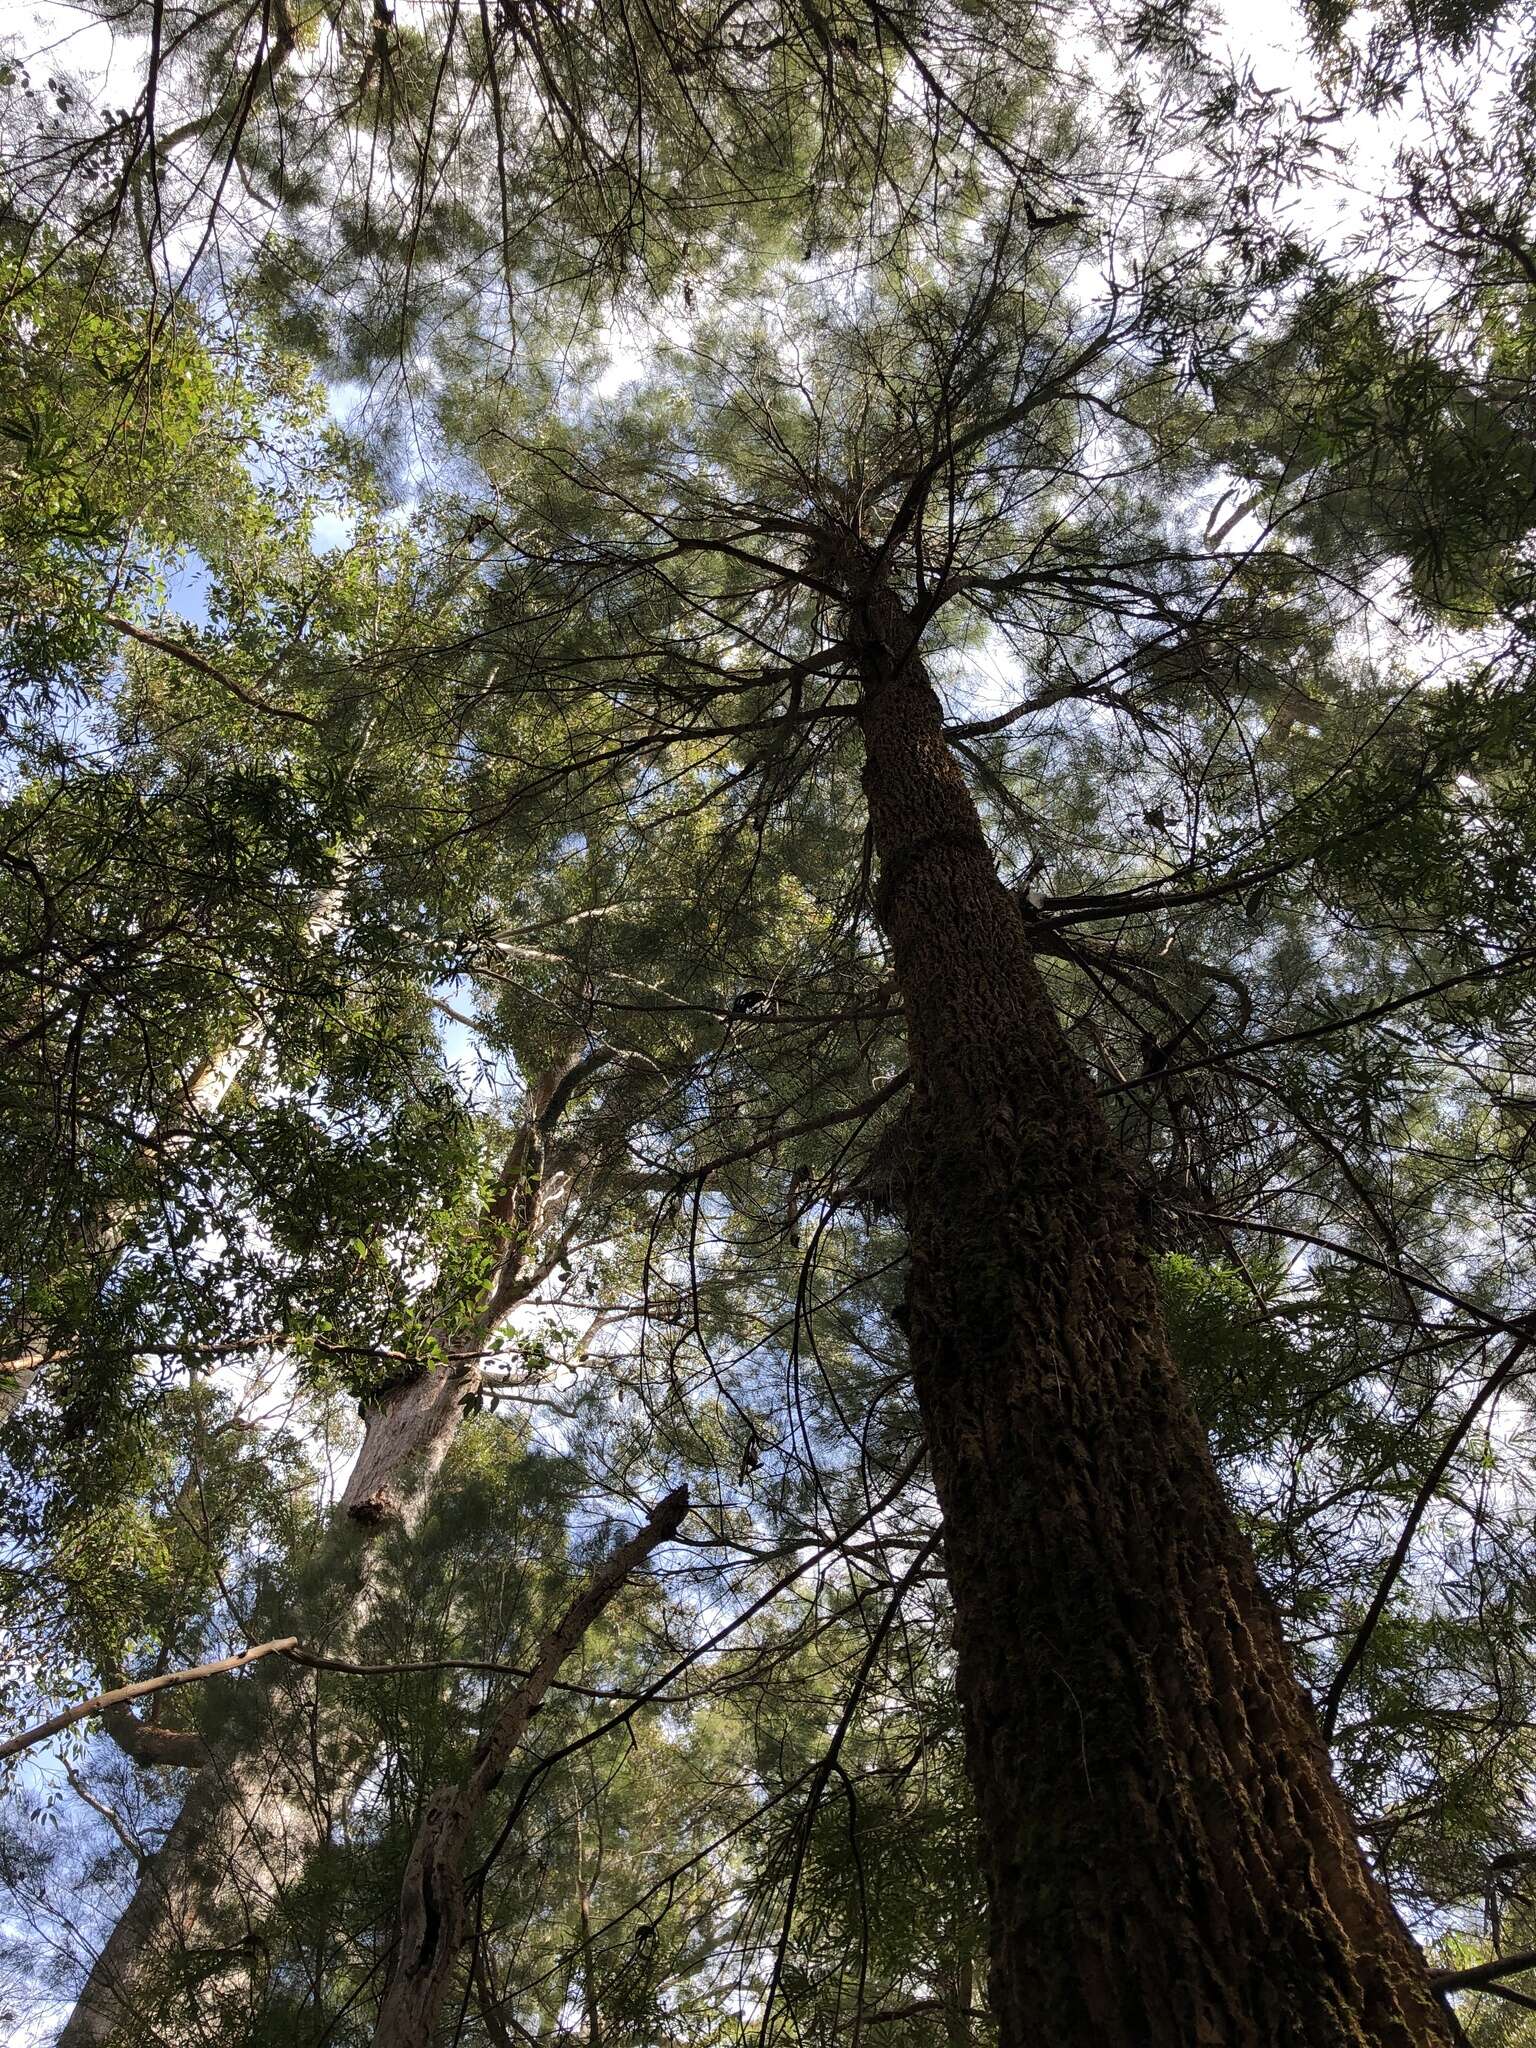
(463, 1069)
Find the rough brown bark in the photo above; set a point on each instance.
(432, 1894)
(1169, 1864)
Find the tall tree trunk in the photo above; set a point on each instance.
(193, 1934)
(1168, 1861)
(185, 1955)
(254, 1813)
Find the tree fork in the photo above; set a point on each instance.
(1169, 1863)
(250, 1820)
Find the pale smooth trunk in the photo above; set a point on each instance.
(251, 1820)
(253, 1814)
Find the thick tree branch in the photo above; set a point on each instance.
(146, 1744)
(140, 1689)
(432, 1894)
(190, 658)
(1485, 1973)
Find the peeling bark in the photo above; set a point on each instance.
(407, 1433)
(1168, 1861)
(253, 1815)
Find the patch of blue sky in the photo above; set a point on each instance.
(333, 529)
(188, 588)
(188, 580)
(487, 1074)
